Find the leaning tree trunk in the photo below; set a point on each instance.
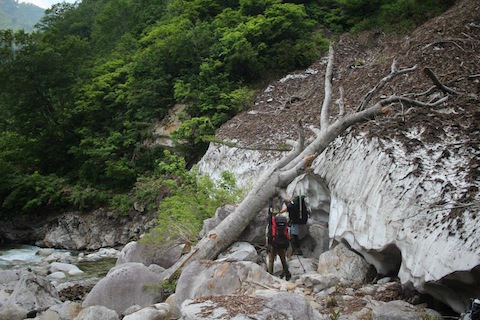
(293, 164)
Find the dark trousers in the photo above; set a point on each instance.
(271, 259)
(295, 243)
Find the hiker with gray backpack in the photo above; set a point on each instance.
(298, 214)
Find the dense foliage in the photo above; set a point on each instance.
(191, 199)
(80, 95)
(16, 15)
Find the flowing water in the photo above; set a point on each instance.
(96, 269)
(21, 255)
(11, 255)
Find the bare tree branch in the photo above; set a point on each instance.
(394, 73)
(250, 147)
(393, 99)
(301, 135)
(437, 82)
(341, 106)
(325, 112)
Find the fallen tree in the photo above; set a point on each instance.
(299, 159)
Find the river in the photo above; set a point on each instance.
(22, 255)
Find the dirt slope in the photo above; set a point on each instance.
(449, 45)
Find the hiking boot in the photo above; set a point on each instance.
(288, 275)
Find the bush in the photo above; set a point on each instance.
(190, 201)
(85, 198)
(34, 192)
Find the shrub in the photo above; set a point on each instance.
(191, 200)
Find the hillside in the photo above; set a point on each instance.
(448, 45)
(17, 16)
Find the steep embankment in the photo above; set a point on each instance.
(404, 188)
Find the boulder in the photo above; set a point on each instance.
(70, 269)
(299, 265)
(103, 253)
(263, 306)
(239, 251)
(97, 313)
(33, 292)
(58, 275)
(148, 252)
(124, 286)
(254, 233)
(12, 312)
(159, 311)
(401, 310)
(318, 282)
(65, 311)
(212, 278)
(288, 305)
(7, 276)
(61, 256)
(346, 265)
(65, 267)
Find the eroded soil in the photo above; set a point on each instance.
(448, 45)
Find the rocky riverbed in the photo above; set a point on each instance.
(130, 285)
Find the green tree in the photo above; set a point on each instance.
(114, 20)
(38, 86)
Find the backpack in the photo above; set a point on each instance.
(297, 210)
(280, 236)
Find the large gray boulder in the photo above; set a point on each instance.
(33, 292)
(7, 276)
(12, 312)
(97, 313)
(239, 251)
(124, 286)
(401, 310)
(211, 278)
(159, 311)
(349, 267)
(254, 233)
(263, 306)
(164, 254)
(65, 311)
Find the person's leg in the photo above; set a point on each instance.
(281, 254)
(289, 251)
(295, 231)
(271, 260)
(296, 245)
